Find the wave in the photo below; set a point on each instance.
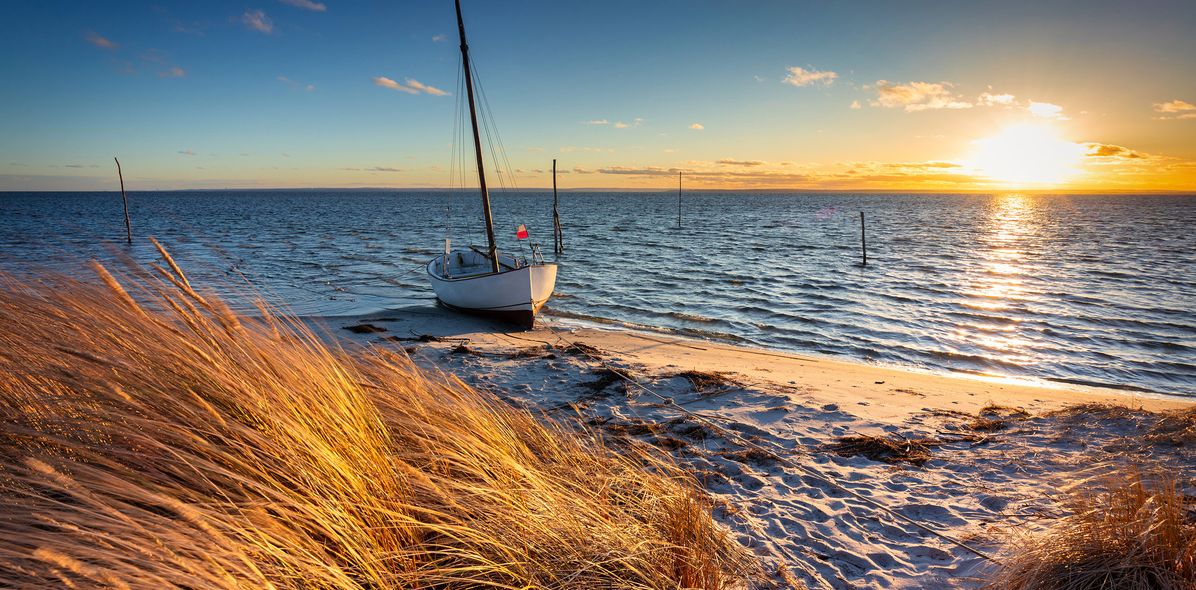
(689, 317)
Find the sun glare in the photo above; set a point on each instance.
(1027, 154)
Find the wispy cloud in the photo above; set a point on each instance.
(596, 122)
(99, 41)
(158, 60)
(1044, 110)
(621, 125)
(439, 38)
(752, 173)
(293, 85)
(1175, 109)
(697, 126)
(803, 77)
(989, 99)
(420, 87)
(187, 152)
(918, 96)
(373, 169)
(306, 5)
(572, 148)
(855, 105)
(409, 85)
(258, 21)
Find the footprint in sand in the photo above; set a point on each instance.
(930, 512)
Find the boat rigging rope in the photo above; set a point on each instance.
(770, 452)
(455, 152)
(505, 164)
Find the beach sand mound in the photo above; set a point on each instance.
(154, 439)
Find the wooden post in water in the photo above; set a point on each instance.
(863, 241)
(558, 238)
(678, 199)
(123, 197)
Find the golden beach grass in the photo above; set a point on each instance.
(1137, 533)
(155, 439)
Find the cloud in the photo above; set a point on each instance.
(697, 126)
(1108, 150)
(409, 85)
(918, 96)
(306, 5)
(1175, 109)
(596, 122)
(296, 85)
(187, 152)
(1174, 106)
(803, 77)
(258, 21)
(172, 72)
(1046, 110)
(98, 41)
(622, 125)
(644, 171)
(439, 38)
(989, 99)
(729, 172)
(373, 169)
(855, 105)
(420, 87)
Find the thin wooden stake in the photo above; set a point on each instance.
(558, 238)
(125, 198)
(678, 199)
(863, 241)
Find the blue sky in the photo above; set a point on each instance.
(287, 93)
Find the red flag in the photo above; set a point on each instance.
(521, 232)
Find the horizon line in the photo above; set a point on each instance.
(1041, 191)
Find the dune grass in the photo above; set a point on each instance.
(152, 438)
(1137, 533)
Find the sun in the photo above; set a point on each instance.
(1027, 154)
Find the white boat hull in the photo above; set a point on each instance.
(463, 280)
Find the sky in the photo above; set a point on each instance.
(952, 96)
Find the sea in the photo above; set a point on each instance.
(1087, 289)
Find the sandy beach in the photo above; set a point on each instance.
(769, 435)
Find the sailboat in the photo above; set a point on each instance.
(487, 282)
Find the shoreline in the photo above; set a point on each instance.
(826, 373)
(797, 452)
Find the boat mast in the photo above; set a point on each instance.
(477, 143)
